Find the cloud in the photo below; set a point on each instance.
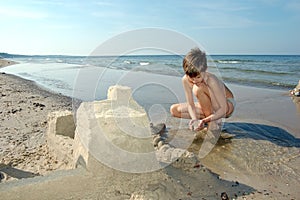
(293, 6)
(222, 6)
(108, 14)
(104, 3)
(20, 13)
(219, 20)
(47, 2)
(107, 9)
(220, 14)
(60, 26)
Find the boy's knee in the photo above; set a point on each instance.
(173, 110)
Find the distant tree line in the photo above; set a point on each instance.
(7, 55)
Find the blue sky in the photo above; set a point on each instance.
(76, 27)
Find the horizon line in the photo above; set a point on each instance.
(213, 54)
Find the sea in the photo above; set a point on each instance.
(61, 73)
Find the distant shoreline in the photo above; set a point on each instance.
(5, 62)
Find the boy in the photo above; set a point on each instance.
(215, 100)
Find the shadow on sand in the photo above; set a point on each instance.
(15, 173)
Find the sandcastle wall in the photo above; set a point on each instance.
(114, 132)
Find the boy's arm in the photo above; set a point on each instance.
(189, 98)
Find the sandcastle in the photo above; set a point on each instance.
(117, 132)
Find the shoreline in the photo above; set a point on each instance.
(5, 62)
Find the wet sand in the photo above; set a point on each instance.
(265, 150)
(267, 106)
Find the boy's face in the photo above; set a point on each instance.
(196, 80)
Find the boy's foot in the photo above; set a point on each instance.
(225, 135)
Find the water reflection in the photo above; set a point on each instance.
(296, 101)
(295, 96)
(257, 155)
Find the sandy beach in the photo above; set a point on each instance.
(4, 63)
(260, 162)
(24, 111)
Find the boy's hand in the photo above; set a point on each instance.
(199, 126)
(191, 124)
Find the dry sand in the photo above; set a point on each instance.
(24, 153)
(24, 109)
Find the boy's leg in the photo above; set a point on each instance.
(203, 106)
(180, 110)
(202, 94)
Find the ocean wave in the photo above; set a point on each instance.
(231, 61)
(258, 82)
(127, 62)
(144, 63)
(228, 61)
(255, 71)
(141, 63)
(237, 61)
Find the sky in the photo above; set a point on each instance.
(76, 27)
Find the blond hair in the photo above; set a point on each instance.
(194, 62)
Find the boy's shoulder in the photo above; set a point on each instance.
(212, 79)
(184, 78)
(211, 76)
